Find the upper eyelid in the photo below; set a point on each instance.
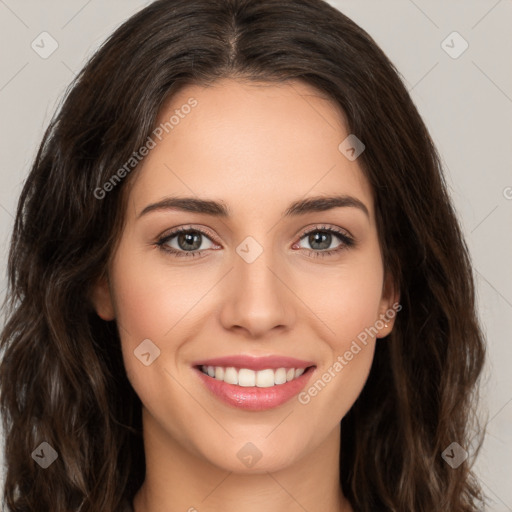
(331, 229)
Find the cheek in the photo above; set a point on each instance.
(157, 302)
(334, 391)
(152, 304)
(347, 302)
(346, 297)
(151, 298)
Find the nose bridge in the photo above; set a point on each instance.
(257, 298)
(255, 281)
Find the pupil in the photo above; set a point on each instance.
(189, 239)
(323, 236)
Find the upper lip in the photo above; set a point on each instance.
(255, 363)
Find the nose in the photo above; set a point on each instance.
(257, 298)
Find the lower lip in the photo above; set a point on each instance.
(254, 398)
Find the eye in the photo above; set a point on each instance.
(321, 238)
(188, 243)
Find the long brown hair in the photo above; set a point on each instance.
(62, 378)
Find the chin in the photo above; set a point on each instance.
(248, 457)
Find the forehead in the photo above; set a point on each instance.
(250, 145)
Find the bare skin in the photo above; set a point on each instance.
(257, 148)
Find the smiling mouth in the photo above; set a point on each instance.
(245, 377)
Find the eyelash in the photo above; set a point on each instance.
(346, 241)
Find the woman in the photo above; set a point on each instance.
(177, 340)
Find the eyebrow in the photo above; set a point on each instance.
(219, 209)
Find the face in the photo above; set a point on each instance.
(258, 282)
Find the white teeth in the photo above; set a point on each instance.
(250, 378)
(265, 378)
(246, 378)
(231, 376)
(280, 376)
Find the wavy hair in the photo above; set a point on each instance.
(62, 378)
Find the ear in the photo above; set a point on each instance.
(388, 308)
(102, 299)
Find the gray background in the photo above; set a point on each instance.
(466, 103)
